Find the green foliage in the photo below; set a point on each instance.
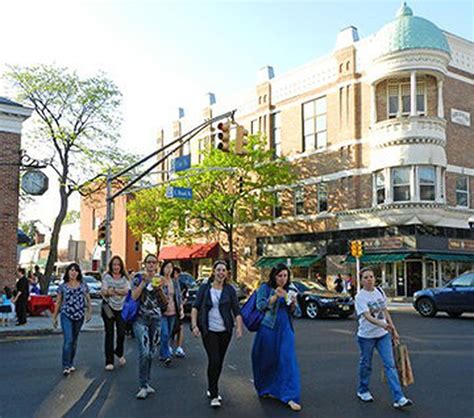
(152, 213)
(72, 217)
(29, 228)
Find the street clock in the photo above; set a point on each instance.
(34, 182)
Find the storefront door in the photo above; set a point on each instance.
(413, 277)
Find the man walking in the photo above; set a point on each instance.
(22, 294)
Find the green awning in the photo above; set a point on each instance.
(379, 258)
(462, 258)
(306, 261)
(269, 262)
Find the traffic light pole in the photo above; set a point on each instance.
(358, 273)
(180, 142)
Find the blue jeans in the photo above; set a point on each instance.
(147, 333)
(167, 325)
(71, 330)
(385, 350)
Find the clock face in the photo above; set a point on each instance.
(34, 182)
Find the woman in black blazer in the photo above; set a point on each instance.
(214, 312)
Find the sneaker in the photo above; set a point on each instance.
(142, 393)
(109, 367)
(402, 403)
(149, 389)
(209, 396)
(294, 406)
(122, 361)
(215, 403)
(167, 362)
(72, 369)
(66, 371)
(179, 352)
(365, 397)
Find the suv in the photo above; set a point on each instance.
(455, 298)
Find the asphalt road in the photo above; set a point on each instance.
(442, 353)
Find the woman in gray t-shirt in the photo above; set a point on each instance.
(115, 286)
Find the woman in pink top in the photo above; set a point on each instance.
(172, 290)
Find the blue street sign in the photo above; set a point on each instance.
(179, 192)
(181, 163)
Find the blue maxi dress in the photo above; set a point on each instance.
(275, 367)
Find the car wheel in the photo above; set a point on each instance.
(426, 307)
(312, 310)
(455, 314)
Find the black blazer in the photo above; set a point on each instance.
(228, 306)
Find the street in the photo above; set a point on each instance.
(441, 351)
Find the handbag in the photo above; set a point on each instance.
(251, 316)
(130, 306)
(107, 309)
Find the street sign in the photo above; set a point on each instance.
(179, 192)
(181, 163)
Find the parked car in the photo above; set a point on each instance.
(454, 298)
(94, 285)
(316, 301)
(96, 274)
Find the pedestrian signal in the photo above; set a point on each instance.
(223, 135)
(241, 140)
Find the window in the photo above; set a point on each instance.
(379, 187)
(462, 191)
(276, 133)
(277, 209)
(254, 126)
(322, 198)
(399, 98)
(299, 201)
(94, 224)
(314, 124)
(463, 281)
(427, 181)
(401, 184)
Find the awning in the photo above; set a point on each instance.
(186, 252)
(269, 262)
(462, 258)
(379, 258)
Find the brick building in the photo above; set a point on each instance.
(12, 116)
(380, 131)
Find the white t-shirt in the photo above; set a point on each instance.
(216, 323)
(374, 302)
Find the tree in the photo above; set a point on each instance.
(240, 187)
(30, 229)
(152, 213)
(78, 120)
(72, 217)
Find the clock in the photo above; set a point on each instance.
(34, 182)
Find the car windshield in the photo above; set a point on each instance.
(306, 285)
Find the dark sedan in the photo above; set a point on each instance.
(315, 301)
(455, 298)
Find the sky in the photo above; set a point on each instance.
(164, 55)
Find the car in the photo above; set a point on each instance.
(315, 301)
(94, 286)
(96, 274)
(185, 279)
(455, 298)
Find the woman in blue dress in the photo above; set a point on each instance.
(275, 368)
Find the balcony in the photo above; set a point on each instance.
(408, 130)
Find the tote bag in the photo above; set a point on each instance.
(251, 316)
(130, 306)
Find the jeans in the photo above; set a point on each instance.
(216, 344)
(167, 325)
(71, 330)
(385, 350)
(109, 335)
(147, 333)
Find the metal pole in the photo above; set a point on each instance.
(358, 273)
(108, 217)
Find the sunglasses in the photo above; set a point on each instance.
(151, 262)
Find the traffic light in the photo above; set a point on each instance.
(223, 135)
(241, 140)
(102, 233)
(357, 248)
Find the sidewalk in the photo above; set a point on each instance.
(41, 325)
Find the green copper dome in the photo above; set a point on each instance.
(409, 32)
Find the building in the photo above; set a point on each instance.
(12, 116)
(380, 131)
(123, 243)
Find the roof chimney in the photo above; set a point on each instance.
(346, 37)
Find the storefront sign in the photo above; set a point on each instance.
(460, 117)
(388, 243)
(461, 244)
(294, 249)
